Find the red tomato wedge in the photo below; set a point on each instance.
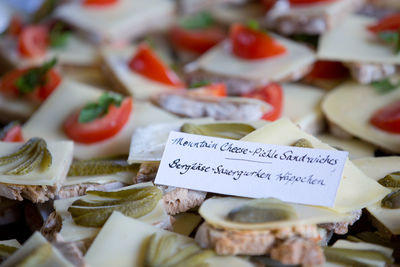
(253, 44)
(196, 40)
(99, 2)
(146, 63)
(216, 89)
(328, 70)
(101, 128)
(268, 4)
(14, 134)
(9, 88)
(388, 118)
(273, 95)
(389, 23)
(33, 41)
(308, 2)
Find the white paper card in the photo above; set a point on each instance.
(247, 169)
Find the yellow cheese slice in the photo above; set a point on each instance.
(351, 42)
(355, 147)
(135, 84)
(378, 168)
(61, 153)
(350, 106)
(35, 241)
(70, 96)
(122, 242)
(185, 223)
(73, 232)
(215, 212)
(228, 14)
(356, 190)
(11, 242)
(301, 104)
(362, 246)
(220, 61)
(121, 21)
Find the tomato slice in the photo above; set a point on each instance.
(273, 95)
(101, 128)
(388, 118)
(9, 88)
(14, 134)
(99, 2)
(33, 41)
(389, 23)
(308, 2)
(146, 63)
(196, 40)
(215, 89)
(269, 4)
(253, 44)
(328, 70)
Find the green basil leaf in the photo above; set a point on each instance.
(58, 36)
(253, 24)
(199, 84)
(34, 77)
(385, 86)
(199, 21)
(391, 37)
(93, 111)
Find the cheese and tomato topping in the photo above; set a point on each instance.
(356, 190)
(71, 96)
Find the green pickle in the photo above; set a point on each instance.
(391, 180)
(224, 130)
(349, 256)
(34, 154)
(100, 166)
(169, 250)
(302, 143)
(37, 257)
(392, 200)
(261, 211)
(135, 203)
(6, 251)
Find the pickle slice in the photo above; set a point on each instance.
(347, 256)
(23, 151)
(6, 251)
(100, 167)
(392, 200)
(197, 259)
(95, 214)
(391, 180)
(32, 162)
(38, 256)
(224, 130)
(303, 143)
(262, 210)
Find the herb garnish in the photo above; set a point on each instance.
(199, 21)
(253, 24)
(34, 77)
(385, 86)
(58, 36)
(199, 84)
(392, 38)
(93, 111)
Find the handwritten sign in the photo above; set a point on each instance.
(230, 167)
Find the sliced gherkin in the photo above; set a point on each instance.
(100, 167)
(302, 143)
(136, 205)
(121, 193)
(47, 160)
(349, 256)
(392, 200)
(6, 251)
(23, 151)
(37, 257)
(224, 130)
(169, 250)
(262, 210)
(391, 180)
(32, 162)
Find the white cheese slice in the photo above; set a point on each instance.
(123, 241)
(76, 52)
(185, 223)
(70, 96)
(73, 232)
(351, 42)
(220, 61)
(301, 104)
(134, 83)
(34, 242)
(351, 105)
(228, 14)
(378, 168)
(355, 147)
(61, 153)
(356, 190)
(215, 212)
(123, 177)
(121, 21)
